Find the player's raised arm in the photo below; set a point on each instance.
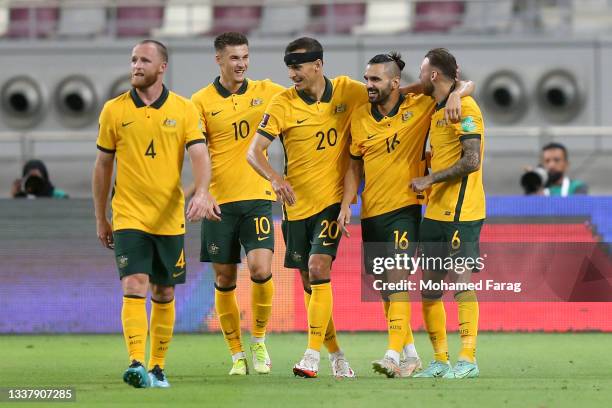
(257, 159)
(202, 204)
(452, 112)
(100, 186)
(351, 185)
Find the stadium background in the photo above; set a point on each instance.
(541, 73)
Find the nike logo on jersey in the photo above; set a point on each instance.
(164, 342)
(176, 275)
(136, 335)
(315, 327)
(371, 136)
(303, 120)
(214, 113)
(124, 124)
(394, 320)
(262, 238)
(325, 243)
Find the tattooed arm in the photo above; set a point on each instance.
(468, 163)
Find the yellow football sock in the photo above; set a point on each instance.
(434, 316)
(330, 342)
(162, 326)
(409, 336)
(467, 306)
(319, 313)
(398, 321)
(135, 326)
(226, 306)
(262, 293)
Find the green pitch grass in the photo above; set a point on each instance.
(517, 370)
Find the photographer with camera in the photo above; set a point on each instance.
(550, 178)
(35, 183)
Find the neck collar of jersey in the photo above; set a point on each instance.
(443, 103)
(327, 93)
(224, 92)
(156, 105)
(379, 116)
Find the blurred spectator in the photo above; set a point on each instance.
(555, 160)
(35, 182)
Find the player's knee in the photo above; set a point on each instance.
(431, 294)
(225, 281)
(318, 269)
(260, 272)
(162, 293)
(135, 284)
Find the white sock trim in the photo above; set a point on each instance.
(258, 339)
(313, 353)
(238, 356)
(393, 355)
(410, 351)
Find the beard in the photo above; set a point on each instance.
(554, 176)
(428, 88)
(143, 82)
(380, 97)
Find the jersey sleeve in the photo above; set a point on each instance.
(354, 147)
(357, 92)
(471, 124)
(198, 102)
(273, 88)
(107, 135)
(194, 126)
(273, 121)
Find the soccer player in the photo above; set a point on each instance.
(231, 107)
(312, 119)
(454, 215)
(146, 130)
(388, 137)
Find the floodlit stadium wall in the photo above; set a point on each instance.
(56, 278)
(530, 81)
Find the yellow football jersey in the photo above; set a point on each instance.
(315, 138)
(462, 199)
(149, 143)
(392, 148)
(231, 122)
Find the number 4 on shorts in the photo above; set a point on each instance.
(181, 261)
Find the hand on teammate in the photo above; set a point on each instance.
(283, 190)
(452, 112)
(203, 205)
(105, 233)
(344, 219)
(421, 184)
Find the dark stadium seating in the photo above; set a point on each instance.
(33, 22)
(138, 21)
(345, 17)
(437, 16)
(235, 18)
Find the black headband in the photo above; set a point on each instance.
(296, 58)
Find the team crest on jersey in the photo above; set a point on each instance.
(406, 116)
(122, 261)
(170, 123)
(213, 248)
(296, 257)
(264, 120)
(441, 123)
(256, 101)
(340, 108)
